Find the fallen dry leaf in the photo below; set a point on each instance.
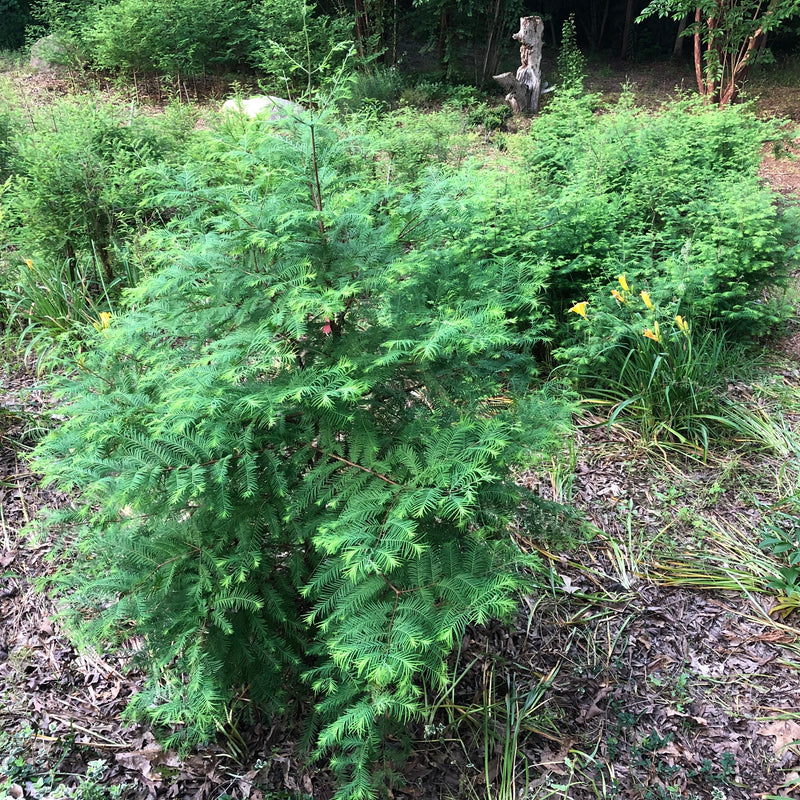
(785, 731)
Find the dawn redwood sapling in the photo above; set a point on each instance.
(290, 468)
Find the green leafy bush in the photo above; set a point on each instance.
(187, 37)
(8, 124)
(65, 19)
(292, 454)
(377, 88)
(672, 200)
(75, 191)
(570, 62)
(293, 40)
(71, 208)
(413, 142)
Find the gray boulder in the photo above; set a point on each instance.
(268, 107)
(51, 53)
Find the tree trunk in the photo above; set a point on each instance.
(523, 89)
(490, 56)
(626, 34)
(677, 50)
(698, 56)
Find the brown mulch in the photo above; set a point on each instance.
(673, 691)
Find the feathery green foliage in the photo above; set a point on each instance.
(672, 200)
(289, 454)
(176, 37)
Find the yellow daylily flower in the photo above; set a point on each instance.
(683, 325)
(646, 300)
(617, 296)
(580, 309)
(29, 263)
(654, 334)
(623, 283)
(103, 323)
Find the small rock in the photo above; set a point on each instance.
(273, 108)
(50, 54)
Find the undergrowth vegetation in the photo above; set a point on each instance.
(292, 438)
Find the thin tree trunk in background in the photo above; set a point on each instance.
(626, 33)
(394, 33)
(361, 33)
(698, 56)
(490, 57)
(603, 24)
(711, 82)
(443, 37)
(677, 50)
(523, 89)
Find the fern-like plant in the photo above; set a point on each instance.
(291, 467)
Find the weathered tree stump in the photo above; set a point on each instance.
(524, 88)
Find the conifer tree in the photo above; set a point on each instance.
(289, 464)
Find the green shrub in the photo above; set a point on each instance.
(169, 37)
(66, 19)
(570, 62)
(377, 88)
(414, 142)
(72, 209)
(289, 458)
(424, 94)
(75, 194)
(8, 125)
(294, 40)
(16, 15)
(490, 117)
(671, 199)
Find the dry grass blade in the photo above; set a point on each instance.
(731, 560)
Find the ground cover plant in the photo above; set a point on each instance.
(289, 453)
